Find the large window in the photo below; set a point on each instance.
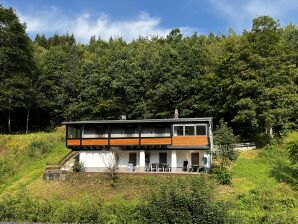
(178, 130)
(95, 132)
(73, 132)
(190, 130)
(201, 130)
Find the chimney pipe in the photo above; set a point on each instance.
(176, 114)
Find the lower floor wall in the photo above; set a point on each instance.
(98, 161)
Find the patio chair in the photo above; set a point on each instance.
(154, 167)
(147, 167)
(161, 167)
(167, 168)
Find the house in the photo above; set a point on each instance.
(163, 145)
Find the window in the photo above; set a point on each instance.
(163, 157)
(73, 132)
(133, 158)
(201, 130)
(178, 130)
(189, 130)
(159, 131)
(129, 131)
(102, 132)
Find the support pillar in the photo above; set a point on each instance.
(142, 160)
(174, 161)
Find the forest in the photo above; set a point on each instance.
(248, 79)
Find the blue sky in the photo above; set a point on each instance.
(132, 18)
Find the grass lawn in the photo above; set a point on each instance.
(264, 184)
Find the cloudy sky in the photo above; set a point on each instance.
(133, 18)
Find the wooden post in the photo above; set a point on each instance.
(109, 135)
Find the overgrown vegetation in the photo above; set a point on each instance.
(225, 153)
(250, 79)
(263, 189)
(264, 186)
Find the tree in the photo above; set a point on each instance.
(16, 63)
(111, 161)
(225, 140)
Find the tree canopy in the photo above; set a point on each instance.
(249, 79)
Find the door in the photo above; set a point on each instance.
(147, 158)
(195, 159)
(133, 158)
(163, 157)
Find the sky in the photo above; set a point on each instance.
(130, 19)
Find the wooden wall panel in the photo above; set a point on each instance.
(94, 142)
(124, 141)
(155, 141)
(73, 142)
(190, 140)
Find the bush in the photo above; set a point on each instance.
(77, 167)
(222, 176)
(183, 202)
(38, 149)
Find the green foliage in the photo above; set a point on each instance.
(250, 80)
(190, 202)
(224, 139)
(222, 176)
(37, 149)
(78, 166)
(293, 151)
(258, 206)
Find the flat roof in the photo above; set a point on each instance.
(168, 120)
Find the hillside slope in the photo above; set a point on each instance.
(264, 185)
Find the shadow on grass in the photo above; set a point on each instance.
(286, 173)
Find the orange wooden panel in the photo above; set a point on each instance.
(94, 141)
(190, 140)
(124, 141)
(156, 141)
(73, 142)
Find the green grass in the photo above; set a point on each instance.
(29, 169)
(264, 184)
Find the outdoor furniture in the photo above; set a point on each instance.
(185, 166)
(154, 167)
(167, 168)
(194, 168)
(147, 167)
(130, 167)
(161, 167)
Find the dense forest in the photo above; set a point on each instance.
(249, 79)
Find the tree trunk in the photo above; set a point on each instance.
(269, 130)
(27, 121)
(9, 127)
(9, 120)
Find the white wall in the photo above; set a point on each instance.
(98, 160)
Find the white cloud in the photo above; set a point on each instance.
(84, 26)
(240, 13)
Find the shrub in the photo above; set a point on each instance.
(225, 140)
(183, 202)
(293, 151)
(77, 167)
(222, 176)
(37, 149)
